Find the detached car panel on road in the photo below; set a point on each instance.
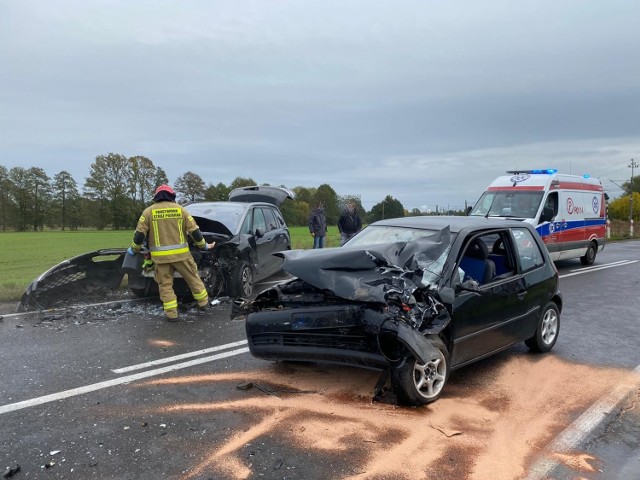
(416, 297)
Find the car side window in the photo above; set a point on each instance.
(246, 225)
(474, 263)
(270, 219)
(529, 254)
(281, 222)
(486, 258)
(258, 221)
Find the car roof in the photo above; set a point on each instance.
(455, 223)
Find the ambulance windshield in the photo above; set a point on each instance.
(508, 203)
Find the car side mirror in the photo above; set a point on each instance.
(468, 286)
(468, 211)
(259, 233)
(447, 295)
(547, 214)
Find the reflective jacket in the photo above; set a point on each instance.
(167, 226)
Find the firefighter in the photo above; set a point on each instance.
(167, 225)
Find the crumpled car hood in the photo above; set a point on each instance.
(212, 226)
(370, 274)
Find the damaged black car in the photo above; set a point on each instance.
(247, 230)
(414, 297)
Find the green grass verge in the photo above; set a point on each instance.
(26, 255)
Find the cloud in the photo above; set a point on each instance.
(425, 101)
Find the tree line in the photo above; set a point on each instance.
(118, 188)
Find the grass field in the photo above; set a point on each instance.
(25, 255)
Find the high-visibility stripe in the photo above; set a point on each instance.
(156, 233)
(182, 240)
(200, 295)
(160, 248)
(164, 253)
(170, 305)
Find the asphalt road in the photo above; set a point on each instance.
(115, 391)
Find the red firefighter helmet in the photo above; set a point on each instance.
(164, 193)
(165, 188)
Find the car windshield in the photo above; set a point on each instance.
(508, 203)
(376, 234)
(432, 257)
(228, 214)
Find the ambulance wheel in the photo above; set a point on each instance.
(590, 256)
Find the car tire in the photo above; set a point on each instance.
(150, 289)
(420, 384)
(547, 330)
(242, 280)
(589, 257)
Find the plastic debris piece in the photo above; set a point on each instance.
(54, 452)
(244, 386)
(11, 471)
(446, 432)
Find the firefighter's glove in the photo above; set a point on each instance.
(148, 265)
(130, 251)
(209, 246)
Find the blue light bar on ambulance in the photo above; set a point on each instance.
(548, 171)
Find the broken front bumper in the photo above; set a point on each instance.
(343, 334)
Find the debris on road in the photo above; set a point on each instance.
(269, 390)
(446, 431)
(11, 471)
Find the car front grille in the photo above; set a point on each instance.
(341, 342)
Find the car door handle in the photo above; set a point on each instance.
(522, 295)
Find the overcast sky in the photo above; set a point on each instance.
(423, 100)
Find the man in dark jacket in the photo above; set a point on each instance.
(318, 225)
(349, 223)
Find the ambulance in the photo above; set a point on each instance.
(568, 211)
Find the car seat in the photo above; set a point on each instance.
(498, 256)
(476, 263)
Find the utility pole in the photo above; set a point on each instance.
(633, 165)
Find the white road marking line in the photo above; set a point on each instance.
(175, 358)
(592, 267)
(116, 381)
(602, 267)
(583, 426)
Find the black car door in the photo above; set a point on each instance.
(535, 275)
(488, 318)
(264, 242)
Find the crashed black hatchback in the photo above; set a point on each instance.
(414, 297)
